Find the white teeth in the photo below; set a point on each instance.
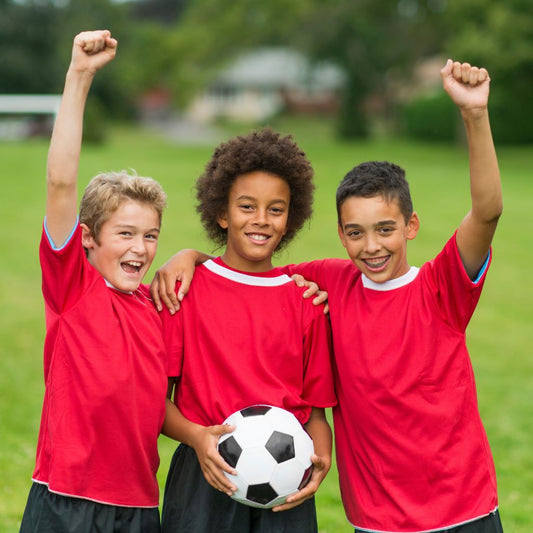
(257, 237)
(134, 263)
(376, 263)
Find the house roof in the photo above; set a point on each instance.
(281, 67)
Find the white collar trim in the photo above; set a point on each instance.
(246, 279)
(392, 283)
(111, 286)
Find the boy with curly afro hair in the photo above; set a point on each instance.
(263, 150)
(245, 336)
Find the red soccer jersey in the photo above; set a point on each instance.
(412, 453)
(242, 339)
(105, 376)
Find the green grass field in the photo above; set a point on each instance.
(499, 334)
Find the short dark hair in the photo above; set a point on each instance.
(376, 178)
(264, 150)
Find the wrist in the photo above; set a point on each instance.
(81, 75)
(474, 113)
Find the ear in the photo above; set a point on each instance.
(413, 226)
(87, 239)
(223, 220)
(342, 237)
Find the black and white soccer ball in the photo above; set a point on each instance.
(271, 453)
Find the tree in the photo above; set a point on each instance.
(27, 47)
(367, 38)
(499, 36)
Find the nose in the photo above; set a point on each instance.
(372, 244)
(261, 217)
(138, 245)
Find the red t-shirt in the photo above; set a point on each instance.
(105, 376)
(242, 339)
(412, 452)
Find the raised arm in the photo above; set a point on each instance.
(90, 52)
(468, 87)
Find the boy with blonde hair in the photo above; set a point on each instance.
(104, 357)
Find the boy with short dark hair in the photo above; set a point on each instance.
(412, 453)
(270, 347)
(104, 357)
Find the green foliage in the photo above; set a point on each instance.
(27, 48)
(499, 36)
(430, 118)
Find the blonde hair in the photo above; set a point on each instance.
(105, 192)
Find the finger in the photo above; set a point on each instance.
(456, 71)
(166, 294)
(218, 481)
(473, 79)
(111, 42)
(483, 75)
(326, 309)
(311, 290)
(298, 279)
(216, 468)
(465, 72)
(222, 429)
(154, 292)
(321, 297)
(294, 500)
(184, 287)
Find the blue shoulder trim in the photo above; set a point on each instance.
(483, 269)
(51, 242)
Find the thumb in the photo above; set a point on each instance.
(222, 429)
(446, 69)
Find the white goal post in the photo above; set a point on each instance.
(29, 104)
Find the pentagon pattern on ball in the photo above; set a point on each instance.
(231, 451)
(281, 446)
(271, 452)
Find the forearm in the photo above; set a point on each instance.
(320, 431)
(65, 145)
(177, 427)
(485, 183)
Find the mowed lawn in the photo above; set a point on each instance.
(499, 334)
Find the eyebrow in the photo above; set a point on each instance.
(131, 226)
(254, 199)
(391, 222)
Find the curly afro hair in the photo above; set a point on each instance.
(263, 150)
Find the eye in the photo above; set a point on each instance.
(151, 236)
(246, 207)
(354, 234)
(277, 210)
(125, 233)
(386, 230)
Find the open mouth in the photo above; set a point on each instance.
(131, 267)
(258, 237)
(376, 263)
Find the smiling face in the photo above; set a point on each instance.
(255, 220)
(126, 245)
(375, 234)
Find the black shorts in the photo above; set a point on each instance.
(47, 512)
(487, 524)
(191, 505)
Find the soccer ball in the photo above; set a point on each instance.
(271, 452)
